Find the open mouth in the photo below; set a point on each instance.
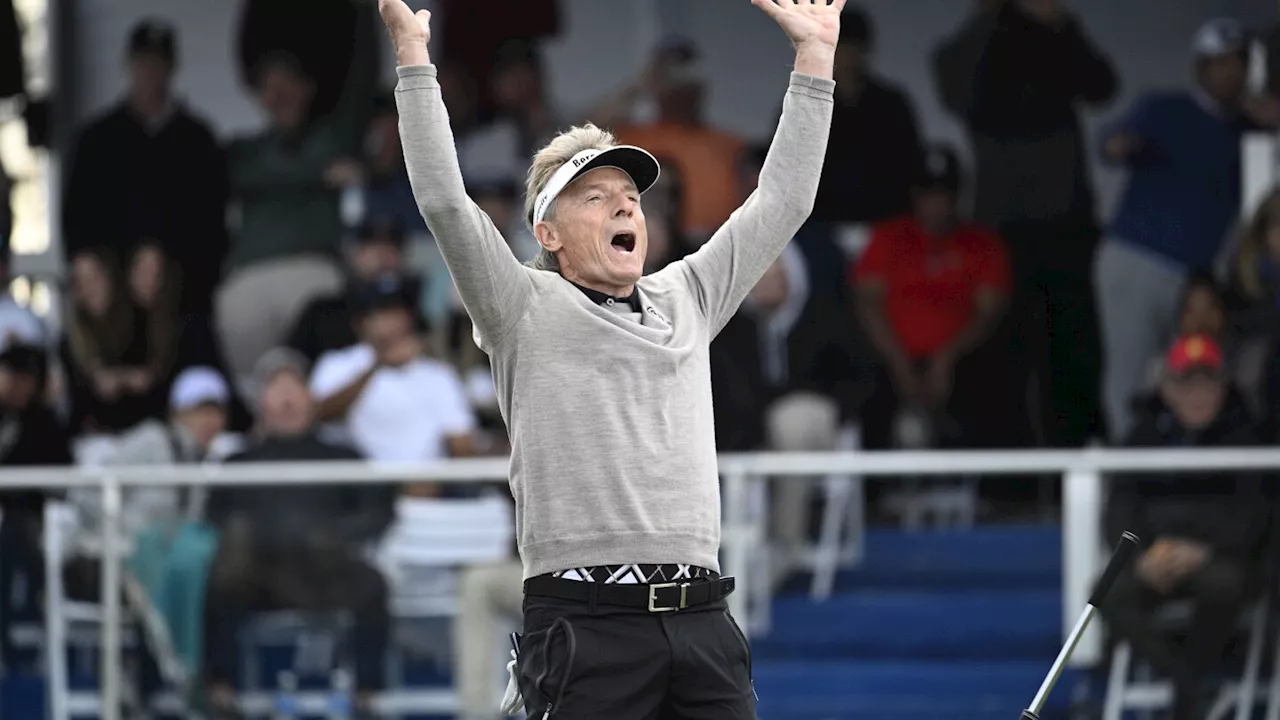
(624, 242)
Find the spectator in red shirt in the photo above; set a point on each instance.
(931, 291)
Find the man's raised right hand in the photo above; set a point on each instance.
(410, 32)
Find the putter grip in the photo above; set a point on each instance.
(1124, 551)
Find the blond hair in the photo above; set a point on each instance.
(1251, 248)
(545, 163)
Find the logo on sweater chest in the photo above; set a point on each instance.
(653, 311)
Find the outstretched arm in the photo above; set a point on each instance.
(490, 280)
(726, 268)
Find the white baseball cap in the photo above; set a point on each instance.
(198, 386)
(1222, 36)
(638, 164)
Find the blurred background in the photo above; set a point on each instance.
(1042, 225)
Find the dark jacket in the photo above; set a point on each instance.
(824, 356)
(1228, 511)
(873, 157)
(281, 514)
(1016, 84)
(128, 183)
(286, 208)
(91, 412)
(32, 438)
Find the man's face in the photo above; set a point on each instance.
(149, 76)
(287, 408)
(204, 423)
(598, 232)
(516, 87)
(935, 208)
(285, 95)
(853, 61)
(1224, 77)
(381, 328)
(1195, 398)
(1201, 313)
(17, 389)
(374, 258)
(681, 102)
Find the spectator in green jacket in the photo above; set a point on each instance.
(287, 184)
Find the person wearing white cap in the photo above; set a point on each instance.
(198, 402)
(173, 550)
(1182, 152)
(604, 382)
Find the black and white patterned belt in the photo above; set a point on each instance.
(637, 574)
(656, 588)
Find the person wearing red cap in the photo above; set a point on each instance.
(1207, 530)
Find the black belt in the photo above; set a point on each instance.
(658, 597)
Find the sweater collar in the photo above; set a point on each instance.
(599, 298)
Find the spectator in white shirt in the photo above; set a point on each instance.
(394, 402)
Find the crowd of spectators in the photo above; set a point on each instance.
(278, 297)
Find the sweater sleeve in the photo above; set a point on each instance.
(725, 269)
(494, 286)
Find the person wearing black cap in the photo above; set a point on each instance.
(328, 322)
(931, 291)
(393, 401)
(150, 169)
(30, 434)
(875, 139)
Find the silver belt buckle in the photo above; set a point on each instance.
(653, 597)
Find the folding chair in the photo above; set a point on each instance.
(77, 625)
(1145, 694)
(421, 555)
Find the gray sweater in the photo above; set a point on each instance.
(613, 445)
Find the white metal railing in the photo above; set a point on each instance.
(1083, 545)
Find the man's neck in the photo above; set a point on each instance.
(150, 109)
(618, 292)
(938, 231)
(1211, 104)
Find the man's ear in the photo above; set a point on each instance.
(547, 237)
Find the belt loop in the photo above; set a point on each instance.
(593, 592)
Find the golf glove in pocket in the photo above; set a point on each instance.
(512, 701)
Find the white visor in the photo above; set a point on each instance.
(638, 164)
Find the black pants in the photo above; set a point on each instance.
(1218, 591)
(248, 577)
(1057, 341)
(21, 560)
(584, 663)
